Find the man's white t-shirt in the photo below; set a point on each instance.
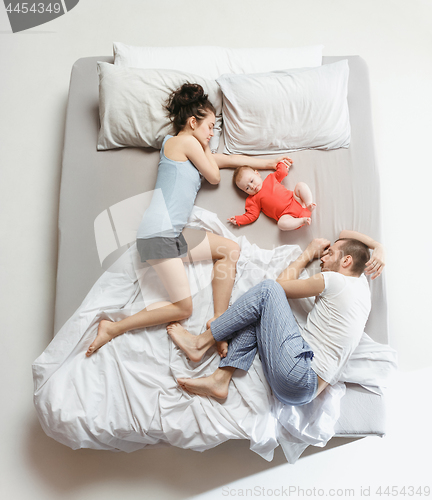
(336, 323)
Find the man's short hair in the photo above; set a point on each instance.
(239, 171)
(358, 251)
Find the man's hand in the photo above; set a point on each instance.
(232, 220)
(376, 263)
(314, 250)
(317, 248)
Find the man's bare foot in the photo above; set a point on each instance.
(212, 386)
(188, 343)
(104, 335)
(311, 207)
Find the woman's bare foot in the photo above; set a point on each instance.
(311, 207)
(221, 345)
(215, 386)
(104, 335)
(222, 348)
(193, 346)
(210, 321)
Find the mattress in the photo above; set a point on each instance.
(345, 183)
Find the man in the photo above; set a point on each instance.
(297, 366)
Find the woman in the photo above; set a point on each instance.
(161, 238)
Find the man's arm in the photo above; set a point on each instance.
(376, 263)
(299, 289)
(288, 279)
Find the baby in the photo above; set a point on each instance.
(292, 209)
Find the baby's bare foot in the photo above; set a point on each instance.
(187, 342)
(311, 207)
(104, 335)
(306, 220)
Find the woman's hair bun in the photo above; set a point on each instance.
(188, 100)
(189, 93)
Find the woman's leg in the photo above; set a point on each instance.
(173, 276)
(225, 254)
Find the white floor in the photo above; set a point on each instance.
(395, 38)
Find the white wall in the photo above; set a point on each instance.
(393, 36)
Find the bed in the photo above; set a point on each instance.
(102, 402)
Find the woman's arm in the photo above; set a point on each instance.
(376, 263)
(234, 161)
(202, 158)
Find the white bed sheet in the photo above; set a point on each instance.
(125, 396)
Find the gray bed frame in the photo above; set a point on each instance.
(345, 183)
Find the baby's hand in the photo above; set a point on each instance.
(287, 165)
(285, 159)
(232, 220)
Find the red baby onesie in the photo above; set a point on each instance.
(273, 199)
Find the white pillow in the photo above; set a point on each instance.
(287, 110)
(211, 62)
(131, 105)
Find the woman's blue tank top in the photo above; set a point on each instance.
(173, 198)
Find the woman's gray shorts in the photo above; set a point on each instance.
(169, 248)
(162, 248)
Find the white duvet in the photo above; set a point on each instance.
(125, 396)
